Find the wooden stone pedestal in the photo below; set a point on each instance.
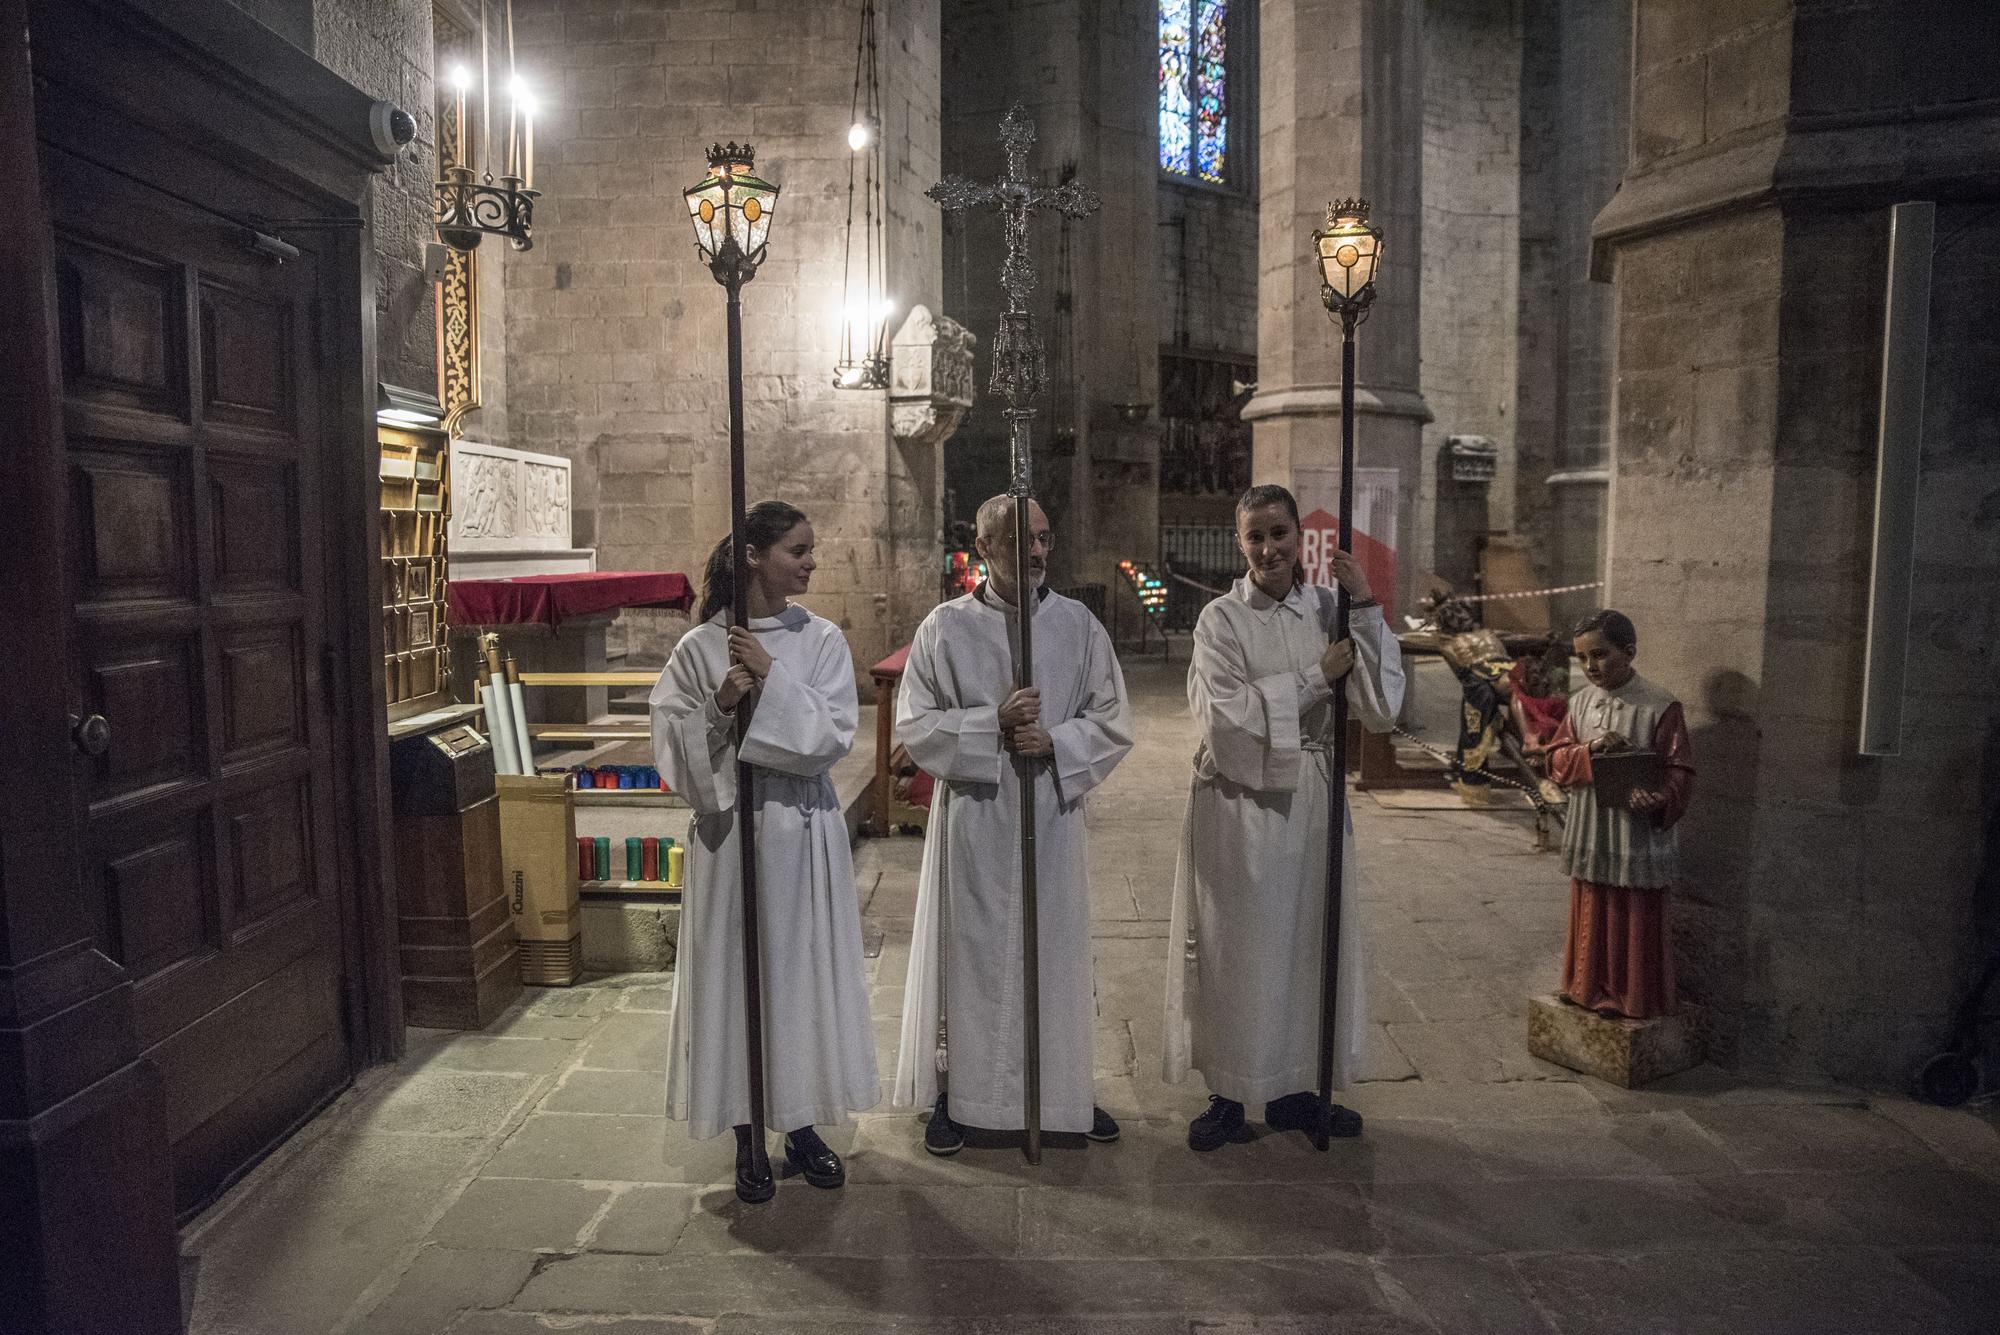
(1628, 1053)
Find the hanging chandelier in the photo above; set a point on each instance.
(865, 306)
(471, 203)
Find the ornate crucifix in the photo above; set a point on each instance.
(1019, 371)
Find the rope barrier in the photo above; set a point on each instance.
(1524, 593)
(1196, 584)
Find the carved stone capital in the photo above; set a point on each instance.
(930, 387)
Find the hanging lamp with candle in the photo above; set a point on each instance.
(865, 305)
(472, 202)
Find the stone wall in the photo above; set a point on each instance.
(1207, 266)
(615, 353)
(1826, 924)
(384, 48)
(1471, 254)
(1086, 74)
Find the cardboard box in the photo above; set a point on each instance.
(538, 857)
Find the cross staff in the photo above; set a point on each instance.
(1019, 372)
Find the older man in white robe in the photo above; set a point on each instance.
(964, 722)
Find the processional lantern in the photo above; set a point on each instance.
(471, 202)
(865, 306)
(1347, 249)
(731, 210)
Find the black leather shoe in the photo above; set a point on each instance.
(1308, 1112)
(754, 1185)
(1102, 1129)
(1221, 1125)
(942, 1136)
(809, 1155)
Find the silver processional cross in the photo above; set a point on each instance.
(1019, 372)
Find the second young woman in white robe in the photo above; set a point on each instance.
(1248, 930)
(819, 1042)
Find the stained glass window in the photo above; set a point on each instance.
(1176, 131)
(1194, 94)
(1211, 120)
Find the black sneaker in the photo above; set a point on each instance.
(1308, 1113)
(810, 1156)
(942, 1136)
(754, 1183)
(1221, 1125)
(1102, 1129)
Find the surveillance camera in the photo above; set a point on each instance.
(391, 128)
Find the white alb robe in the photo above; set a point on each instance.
(966, 954)
(819, 1042)
(1248, 930)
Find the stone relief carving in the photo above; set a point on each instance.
(544, 501)
(508, 500)
(930, 386)
(487, 502)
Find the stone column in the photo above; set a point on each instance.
(1340, 113)
(1825, 923)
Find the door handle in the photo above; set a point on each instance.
(91, 734)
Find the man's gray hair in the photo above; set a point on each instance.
(996, 516)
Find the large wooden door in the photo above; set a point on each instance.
(195, 457)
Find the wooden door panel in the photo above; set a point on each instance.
(262, 703)
(132, 525)
(268, 838)
(160, 897)
(213, 1062)
(120, 315)
(148, 690)
(246, 344)
(252, 500)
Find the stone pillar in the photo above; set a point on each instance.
(1825, 925)
(1340, 113)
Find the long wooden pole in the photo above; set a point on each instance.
(1024, 775)
(1336, 787)
(746, 815)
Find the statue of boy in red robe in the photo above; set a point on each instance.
(1621, 855)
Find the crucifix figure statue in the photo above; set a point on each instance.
(1019, 372)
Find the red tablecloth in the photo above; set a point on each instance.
(549, 599)
(893, 665)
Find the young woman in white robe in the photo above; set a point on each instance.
(1248, 931)
(793, 671)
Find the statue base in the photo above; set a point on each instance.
(1627, 1053)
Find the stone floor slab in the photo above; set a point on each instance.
(627, 1041)
(603, 1148)
(645, 1220)
(519, 1214)
(1585, 1145)
(441, 1284)
(919, 1287)
(1262, 1220)
(1469, 1295)
(1851, 1291)
(581, 1089)
(860, 1221)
